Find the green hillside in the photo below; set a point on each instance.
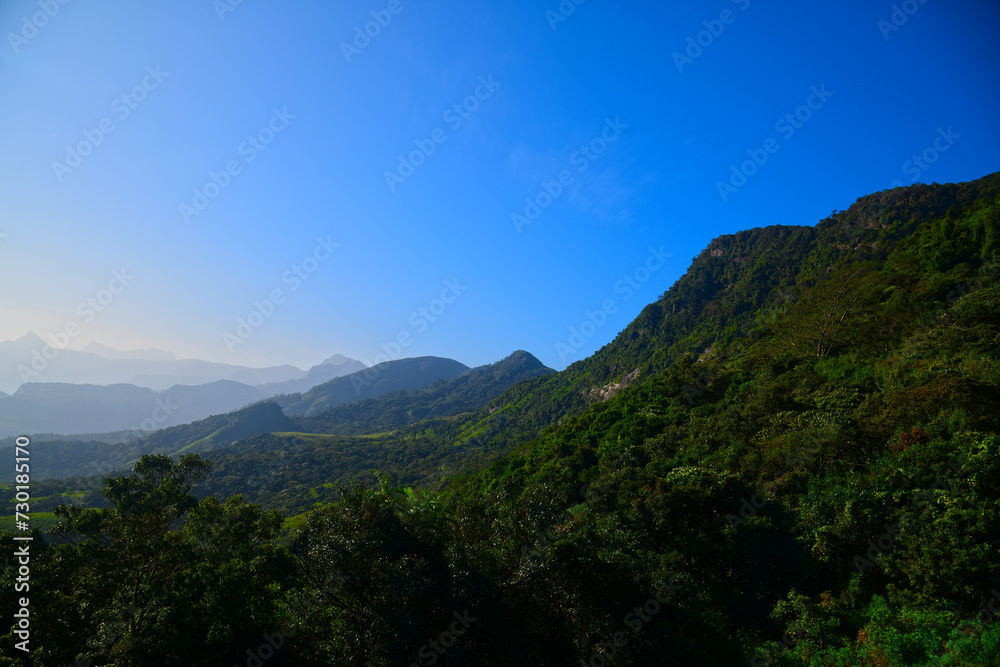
(372, 382)
(790, 458)
(468, 391)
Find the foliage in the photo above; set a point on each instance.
(803, 471)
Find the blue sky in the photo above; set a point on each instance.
(293, 135)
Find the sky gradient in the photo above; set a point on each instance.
(473, 179)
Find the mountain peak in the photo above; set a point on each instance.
(338, 360)
(522, 360)
(30, 338)
(106, 352)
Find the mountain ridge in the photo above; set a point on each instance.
(33, 359)
(792, 455)
(59, 455)
(730, 296)
(408, 373)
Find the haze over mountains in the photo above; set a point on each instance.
(32, 359)
(100, 389)
(384, 397)
(120, 411)
(88, 408)
(334, 367)
(679, 329)
(752, 434)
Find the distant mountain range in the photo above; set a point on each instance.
(32, 359)
(389, 395)
(133, 355)
(76, 408)
(100, 389)
(756, 436)
(462, 393)
(334, 367)
(64, 408)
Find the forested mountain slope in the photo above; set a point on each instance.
(732, 295)
(805, 470)
(372, 382)
(466, 392)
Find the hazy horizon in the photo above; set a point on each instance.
(79, 345)
(473, 180)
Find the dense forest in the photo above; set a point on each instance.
(790, 458)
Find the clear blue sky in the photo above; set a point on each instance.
(550, 91)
